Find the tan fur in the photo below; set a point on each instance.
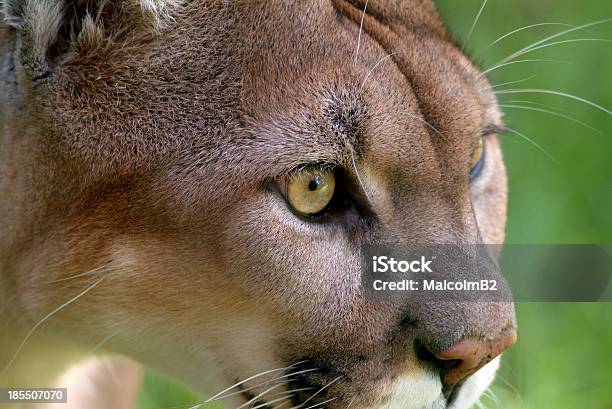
(134, 160)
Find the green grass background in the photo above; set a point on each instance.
(563, 359)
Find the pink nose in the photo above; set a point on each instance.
(473, 354)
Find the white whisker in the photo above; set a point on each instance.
(214, 397)
(283, 403)
(525, 28)
(257, 397)
(469, 35)
(575, 40)
(291, 391)
(546, 91)
(430, 126)
(534, 143)
(261, 405)
(519, 52)
(513, 82)
(321, 404)
(40, 322)
(549, 107)
(375, 66)
(87, 273)
(489, 392)
(360, 31)
(363, 186)
(274, 381)
(494, 67)
(321, 390)
(511, 387)
(101, 343)
(296, 373)
(552, 113)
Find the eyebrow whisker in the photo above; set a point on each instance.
(511, 82)
(469, 35)
(534, 143)
(527, 27)
(552, 92)
(552, 113)
(360, 31)
(537, 43)
(495, 67)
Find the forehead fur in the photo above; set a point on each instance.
(239, 82)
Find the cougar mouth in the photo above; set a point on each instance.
(253, 399)
(450, 393)
(332, 387)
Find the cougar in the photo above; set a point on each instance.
(187, 184)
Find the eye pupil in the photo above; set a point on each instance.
(313, 185)
(311, 190)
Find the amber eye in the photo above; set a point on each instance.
(311, 190)
(477, 158)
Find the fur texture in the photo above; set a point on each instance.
(138, 140)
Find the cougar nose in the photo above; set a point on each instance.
(472, 354)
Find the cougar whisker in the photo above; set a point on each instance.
(495, 67)
(287, 394)
(534, 143)
(41, 321)
(214, 397)
(480, 405)
(430, 126)
(511, 387)
(320, 404)
(519, 52)
(360, 31)
(523, 101)
(257, 397)
(294, 390)
(351, 402)
(99, 345)
(321, 390)
(537, 104)
(252, 400)
(552, 113)
(261, 405)
(274, 381)
(282, 404)
(491, 394)
(86, 273)
(242, 390)
(552, 92)
(511, 82)
(375, 66)
(289, 375)
(525, 28)
(469, 35)
(575, 40)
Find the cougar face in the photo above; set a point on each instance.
(194, 181)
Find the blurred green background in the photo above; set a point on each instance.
(563, 359)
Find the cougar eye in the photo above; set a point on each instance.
(311, 190)
(477, 158)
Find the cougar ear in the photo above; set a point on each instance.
(46, 27)
(53, 28)
(13, 13)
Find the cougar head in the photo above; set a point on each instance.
(199, 177)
